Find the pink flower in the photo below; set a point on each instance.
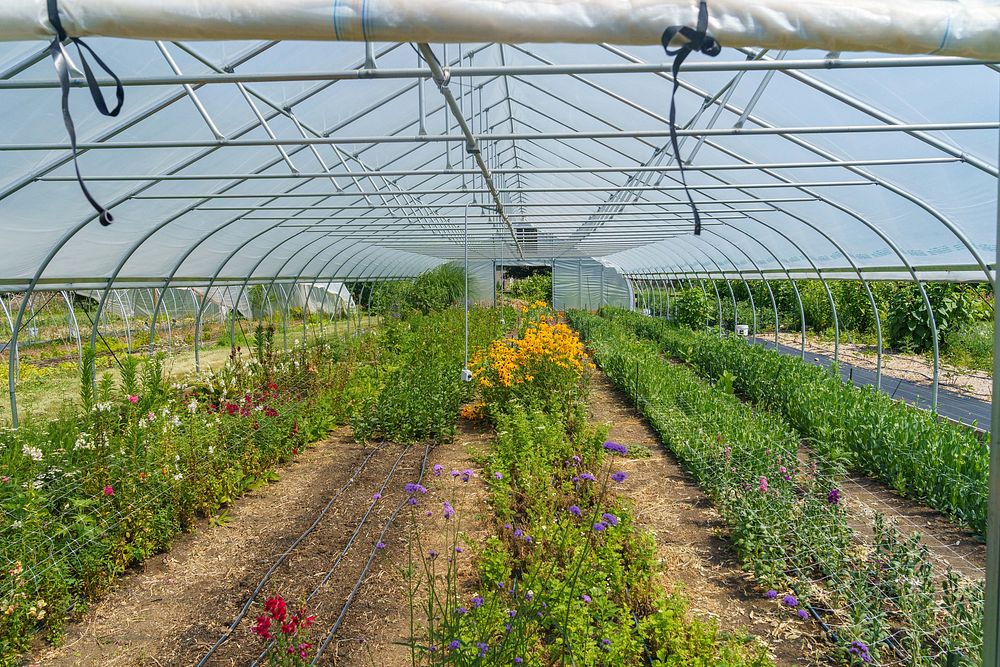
(109, 491)
(762, 487)
(133, 399)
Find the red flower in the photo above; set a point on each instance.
(272, 386)
(109, 491)
(276, 607)
(291, 626)
(263, 627)
(231, 408)
(308, 621)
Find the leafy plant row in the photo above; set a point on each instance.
(412, 388)
(105, 485)
(567, 576)
(786, 521)
(941, 464)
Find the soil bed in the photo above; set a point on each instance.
(690, 537)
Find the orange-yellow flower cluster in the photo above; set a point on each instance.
(546, 350)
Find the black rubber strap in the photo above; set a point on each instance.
(698, 39)
(59, 59)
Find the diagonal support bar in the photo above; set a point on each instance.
(471, 143)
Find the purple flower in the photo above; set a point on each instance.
(483, 648)
(467, 475)
(606, 642)
(458, 550)
(414, 489)
(803, 614)
(449, 511)
(477, 602)
(790, 601)
(498, 475)
(380, 545)
(860, 649)
(586, 476)
(518, 660)
(462, 611)
(585, 598)
(610, 519)
(377, 496)
(619, 476)
(575, 511)
(432, 554)
(454, 644)
(507, 627)
(600, 526)
(833, 497)
(455, 473)
(771, 594)
(437, 469)
(529, 596)
(512, 613)
(411, 500)
(576, 459)
(616, 448)
(518, 533)
(507, 526)
(528, 539)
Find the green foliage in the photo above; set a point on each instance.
(431, 291)
(780, 515)
(413, 390)
(923, 458)
(536, 287)
(909, 323)
(693, 308)
(98, 489)
(970, 345)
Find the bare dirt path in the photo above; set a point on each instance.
(379, 626)
(690, 538)
(178, 604)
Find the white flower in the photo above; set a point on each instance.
(33, 453)
(192, 406)
(211, 449)
(176, 421)
(165, 412)
(17, 524)
(142, 423)
(178, 477)
(258, 408)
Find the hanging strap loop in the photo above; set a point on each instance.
(61, 61)
(700, 40)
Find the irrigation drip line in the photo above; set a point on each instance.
(350, 542)
(371, 559)
(281, 559)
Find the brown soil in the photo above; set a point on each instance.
(174, 609)
(691, 539)
(378, 629)
(910, 367)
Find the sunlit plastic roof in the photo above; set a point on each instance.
(281, 159)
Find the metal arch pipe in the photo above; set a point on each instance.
(818, 151)
(753, 306)
(707, 271)
(73, 323)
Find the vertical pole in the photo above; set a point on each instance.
(466, 289)
(991, 616)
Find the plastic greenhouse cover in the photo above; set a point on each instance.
(897, 26)
(802, 171)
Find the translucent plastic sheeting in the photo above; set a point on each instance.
(588, 283)
(871, 170)
(898, 26)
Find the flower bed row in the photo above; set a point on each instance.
(939, 463)
(568, 578)
(107, 484)
(879, 595)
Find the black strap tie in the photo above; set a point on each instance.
(698, 39)
(61, 61)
